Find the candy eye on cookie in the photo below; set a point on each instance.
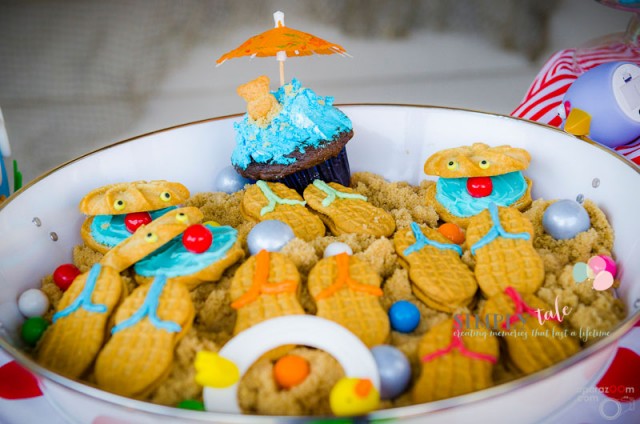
(182, 217)
(165, 196)
(452, 165)
(119, 205)
(484, 164)
(151, 238)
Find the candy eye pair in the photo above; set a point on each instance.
(120, 204)
(452, 165)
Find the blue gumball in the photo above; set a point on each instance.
(564, 219)
(270, 235)
(394, 369)
(229, 181)
(404, 316)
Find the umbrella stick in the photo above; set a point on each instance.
(281, 73)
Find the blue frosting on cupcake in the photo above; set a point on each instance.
(306, 120)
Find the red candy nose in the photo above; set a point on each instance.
(479, 186)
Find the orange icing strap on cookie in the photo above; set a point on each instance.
(344, 278)
(458, 344)
(521, 307)
(260, 283)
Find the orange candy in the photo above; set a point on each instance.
(452, 232)
(290, 370)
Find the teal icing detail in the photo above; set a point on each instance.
(149, 309)
(305, 121)
(422, 241)
(84, 300)
(274, 199)
(496, 231)
(332, 193)
(110, 230)
(174, 260)
(453, 195)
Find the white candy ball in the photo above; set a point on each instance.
(33, 303)
(336, 248)
(270, 235)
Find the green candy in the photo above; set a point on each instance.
(194, 405)
(32, 329)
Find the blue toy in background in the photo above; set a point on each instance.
(5, 151)
(604, 104)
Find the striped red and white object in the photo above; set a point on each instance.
(545, 94)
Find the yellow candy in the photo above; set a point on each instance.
(212, 223)
(212, 370)
(353, 396)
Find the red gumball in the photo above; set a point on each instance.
(197, 238)
(134, 220)
(479, 186)
(64, 275)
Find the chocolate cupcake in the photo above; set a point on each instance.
(292, 136)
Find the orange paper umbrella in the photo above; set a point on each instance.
(282, 42)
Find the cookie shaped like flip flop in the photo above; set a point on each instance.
(137, 196)
(543, 344)
(344, 211)
(149, 238)
(265, 286)
(455, 358)
(180, 262)
(263, 201)
(347, 291)
(148, 325)
(438, 277)
(71, 343)
(501, 240)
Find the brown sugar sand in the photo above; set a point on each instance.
(258, 391)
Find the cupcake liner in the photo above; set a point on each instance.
(335, 169)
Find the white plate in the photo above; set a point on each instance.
(391, 140)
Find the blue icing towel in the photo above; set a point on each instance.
(306, 120)
(453, 195)
(110, 230)
(174, 260)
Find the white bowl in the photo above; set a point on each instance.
(40, 224)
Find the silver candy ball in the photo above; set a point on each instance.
(394, 369)
(270, 235)
(229, 181)
(564, 219)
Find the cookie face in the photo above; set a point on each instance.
(345, 211)
(438, 276)
(347, 291)
(179, 264)
(149, 238)
(263, 201)
(477, 160)
(502, 241)
(137, 196)
(455, 360)
(532, 346)
(472, 177)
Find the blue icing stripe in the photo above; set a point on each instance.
(149, 309)
(422, 241)
(174, 260)
(496, 231)
(453, 195)
(84, 299)
(110, 230)
(306, 120)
